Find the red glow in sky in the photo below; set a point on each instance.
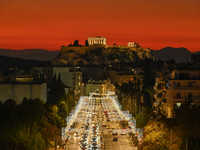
(49, 24)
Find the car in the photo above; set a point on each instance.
(94, 148)
(94, 140)
(94, 143)
(115, 139)
(94, 133)
(76, 134)
(123, 133)
(104, 125)
(84, 134)
(84, 137)
(83, 147)
(83, 142)
(114, 133)
(94, 136)
(108, 127)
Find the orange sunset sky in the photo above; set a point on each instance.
(49, 24)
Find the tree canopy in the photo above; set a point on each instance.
(21, 124)
(148, 83)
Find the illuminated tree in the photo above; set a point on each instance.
(141, 120)
(155, 137)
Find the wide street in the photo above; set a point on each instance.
(98, 125)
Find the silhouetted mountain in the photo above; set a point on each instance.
(196, 52)
(178, 54)
(21, 63)
(32, 54)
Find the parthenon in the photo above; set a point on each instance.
(96, 40)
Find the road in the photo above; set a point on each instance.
(124, 141)
(99, 118)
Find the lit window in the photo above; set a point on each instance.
(178, 104)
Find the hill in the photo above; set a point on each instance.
(32, 54)
(100, 55)
(178, 54)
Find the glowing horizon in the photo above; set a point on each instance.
(49, 24)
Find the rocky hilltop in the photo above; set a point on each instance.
(100, 55)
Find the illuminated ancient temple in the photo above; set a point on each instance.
(96, 40)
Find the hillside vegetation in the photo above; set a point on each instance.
(100, 55)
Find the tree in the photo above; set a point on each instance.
(51, 95)
(51, 131)
(70, 101)
(187, 119)
(150, 91)
(76, 43)
(60, 89)
(21, 125)
(155, 136)
(56, 91)
(141, 120)
(86, 43)
(129, 95)
(148, 83)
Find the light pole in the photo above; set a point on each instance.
(55, 138)
(171, 139)
(104, 145)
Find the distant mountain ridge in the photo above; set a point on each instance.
(11, 62)
(32, 54)
(178, 54)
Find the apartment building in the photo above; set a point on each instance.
(184, 85)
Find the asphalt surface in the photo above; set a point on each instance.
(124, 141)
(105, 136)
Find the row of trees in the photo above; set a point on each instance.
(134, 98)
(21, 126)
(33, 124)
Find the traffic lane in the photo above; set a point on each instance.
(73, 143)
(124, 142)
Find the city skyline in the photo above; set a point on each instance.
(51, 24)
